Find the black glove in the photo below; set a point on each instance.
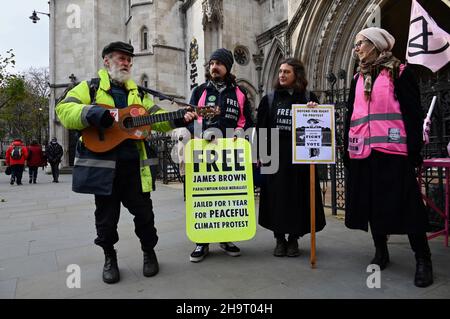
(99, 117)
(106, 120)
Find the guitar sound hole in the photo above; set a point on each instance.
(128, 122)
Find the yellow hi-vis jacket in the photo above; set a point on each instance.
(94, 173)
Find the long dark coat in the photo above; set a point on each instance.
(382, 190)
(285, 196)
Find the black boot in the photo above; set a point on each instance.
(381, 257)
(424, 273)
(424, 269)
(151, 266)
(30, 180)
(111, 273)
(281, 248)
(292, 247)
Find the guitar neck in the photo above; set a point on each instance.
(156, 118)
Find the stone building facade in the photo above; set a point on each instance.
(173, 40)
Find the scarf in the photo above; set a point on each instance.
(219, 85)
(372, 66)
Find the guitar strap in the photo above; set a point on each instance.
(93, 84)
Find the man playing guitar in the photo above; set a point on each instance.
(119, 174)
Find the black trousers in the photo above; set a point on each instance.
(16, 173)
(33, 172)
(126, 190)
(55, 170)
(283, 236)
(418, 242)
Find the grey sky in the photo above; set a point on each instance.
(28, 40)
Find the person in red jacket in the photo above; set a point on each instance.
(35, 160)
(16, 154)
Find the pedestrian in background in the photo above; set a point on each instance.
(54, 153)
(35, 160)
(16, 154)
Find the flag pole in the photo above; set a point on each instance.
(427, 122)
(312, 190)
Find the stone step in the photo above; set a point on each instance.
(66, 170)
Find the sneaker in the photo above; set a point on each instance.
(199, 253)
(231, 249)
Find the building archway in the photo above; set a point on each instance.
(270, 69)
(325, 33)
(251, 93)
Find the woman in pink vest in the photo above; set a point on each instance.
(383, 141)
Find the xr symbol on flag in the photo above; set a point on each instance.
(424, 35)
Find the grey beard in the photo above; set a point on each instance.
(117, 75)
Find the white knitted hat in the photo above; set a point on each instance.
(382, 39)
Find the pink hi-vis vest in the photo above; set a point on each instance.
(241, 100)
(378, 123)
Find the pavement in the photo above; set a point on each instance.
(47, 234)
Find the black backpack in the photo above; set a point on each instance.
(93, 84)
(16, 152)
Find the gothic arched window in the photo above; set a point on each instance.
(144, 81)
(144, 38)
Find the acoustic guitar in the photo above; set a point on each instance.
(133, 122)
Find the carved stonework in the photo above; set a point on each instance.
(212, 12)
(338, 38)
(324, 35)
(258, 59)
(299, 14)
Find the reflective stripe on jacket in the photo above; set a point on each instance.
(94, 172)
(377, 123)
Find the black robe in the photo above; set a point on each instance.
(284, 205)
(382, 190)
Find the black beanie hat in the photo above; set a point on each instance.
(225, 56)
